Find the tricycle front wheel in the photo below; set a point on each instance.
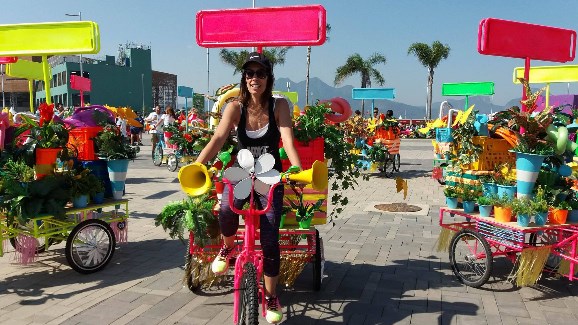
(90, 246)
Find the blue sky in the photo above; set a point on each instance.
(363, 26)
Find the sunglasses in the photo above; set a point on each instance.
(261, 73)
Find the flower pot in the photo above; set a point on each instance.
(485, 210)
(557, 216)
(452, 202)
(80, 201)
(99, 169)
(527, 170)
(98, 198)
(117, 173)
(503, 214)
(305, 224)
(45, 161)
(489, 188)
(541, 218)
(508, 190)
(523, 220)
(469, 206)
(572, 216)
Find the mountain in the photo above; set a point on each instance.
(320, 90)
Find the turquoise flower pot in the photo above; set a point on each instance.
(98, 198)
(572, 216)
(469, 206)
(523, 220)
(485, 210)
(489, 188)
(508, 190)
(452, 202)
(541, 218)
(80, 201)
(527, 170)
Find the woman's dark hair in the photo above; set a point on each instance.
(170, 111)
(389, 113)
(357, 112)
(244, 94)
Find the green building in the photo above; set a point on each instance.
(128, 81)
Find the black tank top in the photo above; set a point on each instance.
(269, 142)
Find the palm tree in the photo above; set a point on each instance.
(236, 59)
(356, 64)
(429, 57)
(327, 30)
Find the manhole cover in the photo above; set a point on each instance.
(397, 207)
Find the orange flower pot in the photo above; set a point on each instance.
(503, 214)
(557, 216)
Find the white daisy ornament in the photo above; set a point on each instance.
(261, 171)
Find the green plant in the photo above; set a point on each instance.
(345, 170)
(450, 191)
(523, 206)
(44, 133)
(82, 182)
(468, 192)
(484, 200)
(540, 201)
(304, 211)
(501, 201)
(191, 142)
(190, 214)
(23, 201)
(562, 205)
(111, 144)
(377, 153)
(18, 170)
(467, 151)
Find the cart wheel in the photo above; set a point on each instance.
(248, 308)
(396, 161)
(388, 168)
(317, 262)
(172, 162)
(158, 155)
(90, 246)
(193, 275)
(471, 258)
(41, 242)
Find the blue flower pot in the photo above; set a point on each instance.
(117, 173)
(98, 198)
(541, 218)
(489, 188)
(452, 202)
(508, 190)
(485, 210)
(527, 170)
(469, 206)
(523, 220)
(572, 216)
(80, 201)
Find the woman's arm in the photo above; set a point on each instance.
(286, 129)
(228, 121)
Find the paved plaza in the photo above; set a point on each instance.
(381, 268)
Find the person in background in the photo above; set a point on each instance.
(136, 132)
(261, 121)
(152, 120)
(389, 114)
(59, 111)
(181, 118)
(375, 113)
(357, 112)
(168, 118)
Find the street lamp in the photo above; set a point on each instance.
(79, 15)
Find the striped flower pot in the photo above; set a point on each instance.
(117, 174)
(527, 169)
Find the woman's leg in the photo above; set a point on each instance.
(270, 241)
(229, 223)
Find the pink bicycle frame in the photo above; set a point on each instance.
(248, 254)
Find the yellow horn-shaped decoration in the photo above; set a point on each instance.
(195, 179)
(316, 176)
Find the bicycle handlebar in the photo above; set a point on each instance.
(251, 211)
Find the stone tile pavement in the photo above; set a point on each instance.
(380, 268)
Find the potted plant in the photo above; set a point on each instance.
(559, 213)
(451, 193)
(468, 194)
(484, 205)
(489, 186)
(541, 206)
(191, 214)
(524, 210)
(304, 211)
(112, 146)
(505, 179)
(502, 208)
(47, 137)
(82, 184)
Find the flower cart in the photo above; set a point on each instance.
(183, 147)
